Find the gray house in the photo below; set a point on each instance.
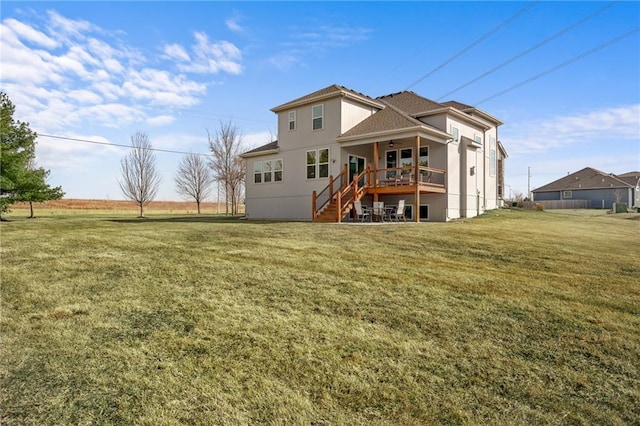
(598, 188)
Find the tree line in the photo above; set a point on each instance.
(22, 180)
(195, 176)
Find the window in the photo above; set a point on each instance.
(567, 194)
(477, 139)
(492, 156)
(317, 115)
(455, 133)
(318, 163)
(424, 162)
(257, 172)
(406, 160)
(268, 171)
(277, 170)
(424, 212)
(292, 120)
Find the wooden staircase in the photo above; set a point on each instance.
(338, 197)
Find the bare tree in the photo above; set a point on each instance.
(229, 168)
(194, 179)
(140, 180)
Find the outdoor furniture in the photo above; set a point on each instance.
(398, 212)
(362, 212)
(378, 210)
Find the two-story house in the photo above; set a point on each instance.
(336, 146)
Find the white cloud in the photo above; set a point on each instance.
(177, 52)
(207, 57)
(160, 120)
(72, 27)
(64, 72)
(72, 154)
(30, 34)
(610, 124)
(233, 25)
(316, 41)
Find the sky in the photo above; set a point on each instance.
(564, 77)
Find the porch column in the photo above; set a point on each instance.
(416, 158)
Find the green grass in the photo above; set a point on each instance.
(511, 318)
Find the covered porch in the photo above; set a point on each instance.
(405, 173)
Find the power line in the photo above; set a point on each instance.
(531, 49)
(119, 145)
(562, 65)
(474, 44)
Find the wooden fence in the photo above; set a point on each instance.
(559, 204)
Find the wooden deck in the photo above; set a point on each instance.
(336, 200)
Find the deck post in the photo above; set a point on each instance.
(330, 188)
(345, 176)
(376, 153)
(416, 159)
(339, 208)
(313, 206)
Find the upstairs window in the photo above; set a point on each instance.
(292, 120)
(455, 133)
(317, 115)
(318, 163)
(477, 139)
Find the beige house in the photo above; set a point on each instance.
(336, 146)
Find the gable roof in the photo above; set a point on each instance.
(271, 147)
(418, 106)
(390, 118)
(587, 178)
(326, 93)
(410, 102)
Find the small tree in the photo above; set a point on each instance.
(194, 179)
(35, 188)
(227, 165)
(140, 180)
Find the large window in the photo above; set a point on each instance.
(292, 120)
(317, 115)
(268, 171)
(318, 163)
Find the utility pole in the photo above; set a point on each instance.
(529, 183)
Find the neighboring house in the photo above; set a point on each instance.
(600, 189)
(336, 146)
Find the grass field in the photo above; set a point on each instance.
(515, 317)
(67, 205)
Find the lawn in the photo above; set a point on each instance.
(515, 317)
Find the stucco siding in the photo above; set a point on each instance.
(352, 114)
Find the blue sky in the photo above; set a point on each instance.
(101, 71)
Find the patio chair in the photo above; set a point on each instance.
(378, 210)
(361, 212)
(399, 212)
